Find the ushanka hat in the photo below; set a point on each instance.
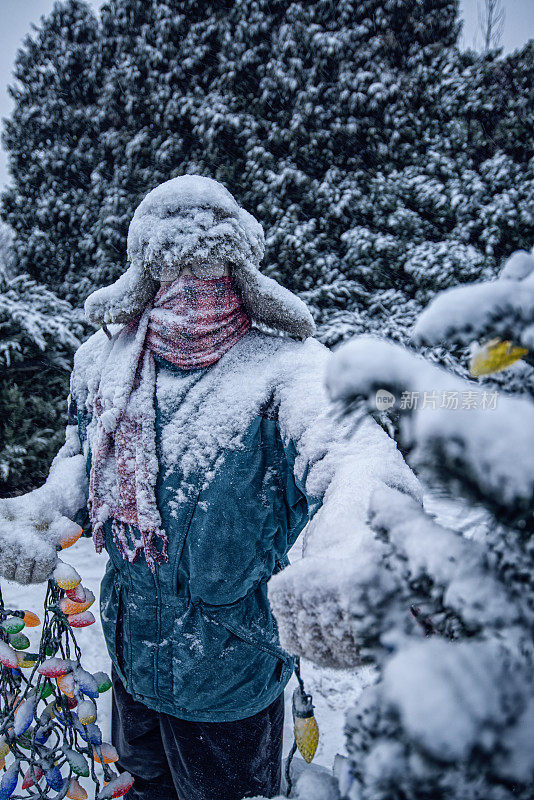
(194, 219)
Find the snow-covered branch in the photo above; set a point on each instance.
(489, 450)
(503, 308)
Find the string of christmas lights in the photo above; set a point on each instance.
(49, 737)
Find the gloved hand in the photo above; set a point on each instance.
(25, 560)
(30, 530)
(312, 605)
(33, 525)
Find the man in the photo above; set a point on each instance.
(202, 445)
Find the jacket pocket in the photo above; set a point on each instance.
(255, 634)
(249, 638)
(221, 669)
(149, 647)
(113, 621)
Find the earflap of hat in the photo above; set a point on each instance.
(273, 305)
(267, 301)
(254, 234)
(123, 300)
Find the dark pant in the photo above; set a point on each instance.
(172, 758)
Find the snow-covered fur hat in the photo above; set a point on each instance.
(194, 218)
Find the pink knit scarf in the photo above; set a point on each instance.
(191, 324)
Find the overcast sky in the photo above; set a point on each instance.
(16, 17)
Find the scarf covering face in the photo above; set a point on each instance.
(191, 323)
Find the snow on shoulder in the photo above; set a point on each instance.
(214, 413)
(88, 360)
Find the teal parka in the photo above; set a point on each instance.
(197, 639)
(245, 457)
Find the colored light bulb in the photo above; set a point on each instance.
(8, 656)
(31, 620)
(86, 682)
(33, 775)
(116, 787)
(103, 681)
(77, 594)
(494, 356)
(27, 660)
(55, 667)
(9, 781)
(19, 641)
(77, 763)
(13, 625)
(86, 712)
(65, 576)
(70, 536)
(305, 728)
(54, 778)
(24, 716)
(81, 620)
(66, 684)
(76, 791)
(108, 752)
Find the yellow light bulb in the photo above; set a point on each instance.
(494, 356)
(305, 726)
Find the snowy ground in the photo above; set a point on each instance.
(333, 690)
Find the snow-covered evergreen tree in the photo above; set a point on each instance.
(458, 201)
(360, 135)
(371, 148)
(6, 248)
(374, 151)
(38, 335)
(51, 139)
(294, 107)
(445, 614)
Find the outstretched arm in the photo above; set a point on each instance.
(339, 470)
(32, 525)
